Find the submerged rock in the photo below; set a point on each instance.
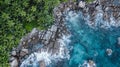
(89, 63)
(118, 40)
(109, 52)
(42, 64)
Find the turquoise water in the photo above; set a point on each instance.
(91, 44)
(87, 44)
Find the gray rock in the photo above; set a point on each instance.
(109, 51)
(56, 45)
(34, 31)
(53, 35)
(81, 4)
(51, 45)
(53, 28)
(42, 64)
(47, 35)
(13, 53)
(29, 40)
(46, 42)
(23, 52)
(14, 63)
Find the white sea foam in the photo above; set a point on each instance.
(98, 19)
(48, 57)
(99, 22)
(71, 15)
(87, 64)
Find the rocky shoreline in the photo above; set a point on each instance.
(49, 38)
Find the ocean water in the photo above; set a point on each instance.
(83, 44)
(91, 43)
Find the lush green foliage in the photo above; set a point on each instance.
(88, 1)
(18, 17)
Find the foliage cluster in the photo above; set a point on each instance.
(88, 1)
(18, 17)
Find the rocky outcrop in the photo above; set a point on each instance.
(107, 9)
(48, 39)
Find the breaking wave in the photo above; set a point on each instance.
(47, 56)
(91, 43)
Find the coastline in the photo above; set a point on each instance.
(49, 38)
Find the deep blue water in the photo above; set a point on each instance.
(91, 44)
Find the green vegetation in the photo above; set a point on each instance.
(88, 1)
(18, 17)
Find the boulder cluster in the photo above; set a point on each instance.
(48, 39)
(107, 9)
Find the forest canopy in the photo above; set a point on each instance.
(18, 17)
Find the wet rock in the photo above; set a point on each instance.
(14, 62)
(42, 64)
(91, 63)
(54, 51)
(81, 4)
(53, 35)
(23, 52)
(109, 51)
(56, 45)
(51, 44)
